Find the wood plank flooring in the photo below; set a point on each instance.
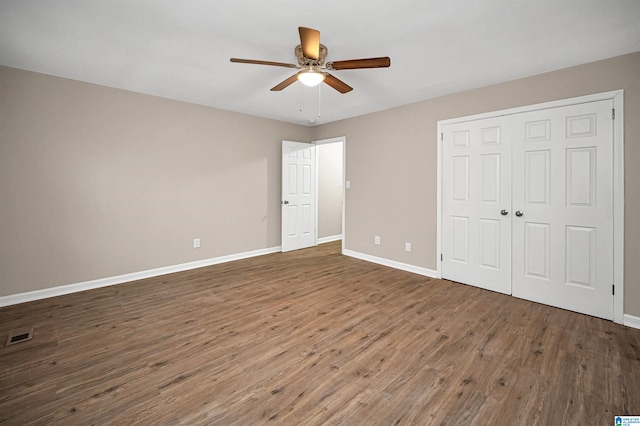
(311, 337)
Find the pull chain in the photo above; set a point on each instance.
(301, 98)
(319, 99)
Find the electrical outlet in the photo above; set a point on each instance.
(407, 246)
(196, 243)
(376, 240)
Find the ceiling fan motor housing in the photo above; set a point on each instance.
(308, 62)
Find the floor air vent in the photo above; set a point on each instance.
(19, 335)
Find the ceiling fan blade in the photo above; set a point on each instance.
(310, 41)
(253, 61)
(285, 83)
(337, 84)
(353, 64)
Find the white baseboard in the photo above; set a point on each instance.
(392, 263)
(631, 321)
(329, 239)
(14, 299)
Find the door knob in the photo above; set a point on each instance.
(285, 202)
(504, 212)
(519, 213)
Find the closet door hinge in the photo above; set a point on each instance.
(440, 257)
(613, 113)
(613, 289)
(441, 136)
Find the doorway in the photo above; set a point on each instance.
(330, 187)
(313, 197)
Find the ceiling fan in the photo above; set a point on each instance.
(313, 70)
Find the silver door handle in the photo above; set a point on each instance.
(504, 212)
(519, 213)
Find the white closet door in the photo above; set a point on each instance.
(563, 207)
(476, 181)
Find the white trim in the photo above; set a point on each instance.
(617, 96)
(344, 192)
(632, 321)
(330, 140)
(438, 201)
(14, 299)
(536, 107)
(618, 207)
(391, 263)
(316, 229)
(329, 239)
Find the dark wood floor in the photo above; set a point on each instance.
(311, 337)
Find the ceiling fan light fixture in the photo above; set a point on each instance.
(310, 78)
(313, 68)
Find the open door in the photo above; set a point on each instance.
(298, 195)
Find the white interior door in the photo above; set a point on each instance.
(476, 246)
(298, 195)
(563, 202)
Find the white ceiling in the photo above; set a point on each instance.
(181, 49)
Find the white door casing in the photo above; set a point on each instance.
(567, 239)
(476, 188)
(298, 195)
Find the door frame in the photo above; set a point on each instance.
(336, 139)
(617, 96)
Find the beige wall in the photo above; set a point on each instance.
(96, 182)
(391, 161)
(329, 189)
